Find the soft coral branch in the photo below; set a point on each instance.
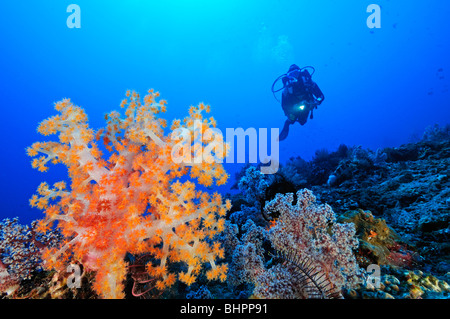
(133, 201)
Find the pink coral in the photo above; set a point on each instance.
(309, 231)
(139, 200)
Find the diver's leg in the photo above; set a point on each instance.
(285, 131)
(302, 119)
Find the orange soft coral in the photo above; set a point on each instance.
(134, 201)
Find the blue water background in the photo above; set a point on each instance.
(382, 87)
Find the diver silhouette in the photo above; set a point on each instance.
(300, 96)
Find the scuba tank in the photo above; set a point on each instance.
(290, 78)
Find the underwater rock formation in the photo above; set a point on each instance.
(410, 192)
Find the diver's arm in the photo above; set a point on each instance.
(317, 92)
(285, 80)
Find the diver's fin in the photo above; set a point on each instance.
(285, 131)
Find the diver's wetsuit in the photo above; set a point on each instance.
(298, 87)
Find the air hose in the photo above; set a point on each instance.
(286, 74)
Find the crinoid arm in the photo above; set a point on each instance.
(312, 280)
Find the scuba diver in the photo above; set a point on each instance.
(300, 96)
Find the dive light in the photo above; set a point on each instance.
(301, 107)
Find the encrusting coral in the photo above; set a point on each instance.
(379, 243)
(138, 199)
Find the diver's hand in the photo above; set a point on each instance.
(316, 103)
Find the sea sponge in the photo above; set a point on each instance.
(379, 243)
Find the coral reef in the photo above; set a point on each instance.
(397, 199)
(379, 243)
(253, 185)
(201, 293)
(54, 285)
(436, 133)
(410, 193)
(397, 283)
(308, 236)
(247, 258)
(138, 199)
(20, 252)
(137, 224)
